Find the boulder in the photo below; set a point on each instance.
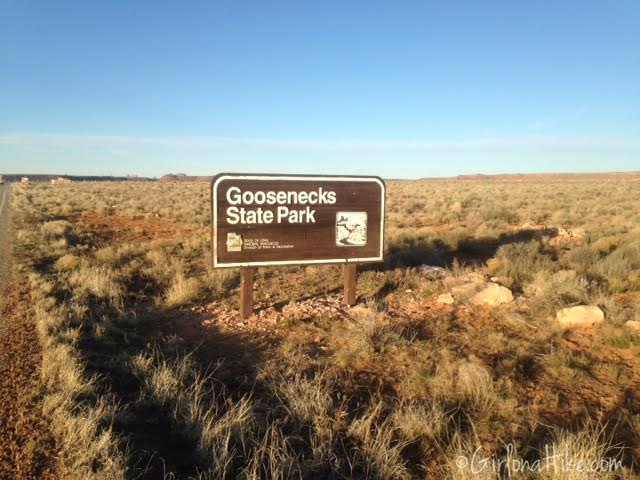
(492, 294)
(580, 316)
(431, 272)
(567, 238)
(445, 298)
(633, 326)
(466, 290)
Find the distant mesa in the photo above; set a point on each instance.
(183, 177)
(60, 181)
(547, 176)
(65, 179)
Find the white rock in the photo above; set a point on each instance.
(492, 294)
(445, 298)
(580, 316)
(633, 325)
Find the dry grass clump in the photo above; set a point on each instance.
(310, 399)
(87, 445)
(221, 426)
(583, 455)
(80, 421)
(380, 448)
(549, 292)
(182, 290)
(98, 281)
(219, 282)
(465, 383)
(466, 460)
(67, 262)
(420, 421)
(57, 229)
(370, 335)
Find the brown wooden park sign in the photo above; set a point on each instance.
(262, 220)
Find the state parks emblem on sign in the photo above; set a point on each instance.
(351, 229)
(234, 242)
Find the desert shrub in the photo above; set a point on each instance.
(605, 244)
(493, 213)
(117, 256)
(549, 292)
(408, 251)
(516, 263)
(67, 262)
(621, 268)
(581, 259)
(57, 229)
(414, 207)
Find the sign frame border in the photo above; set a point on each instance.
(273, 176)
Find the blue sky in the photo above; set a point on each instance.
(398, 89)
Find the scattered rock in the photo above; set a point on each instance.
(531, 227)
(580, 316)
(565, 238)
(474, 277)
(445, 298)
(633, 325)
(431, 272)
(466, 290)
(358, 310)
(492, 294)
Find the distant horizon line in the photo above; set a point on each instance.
(469, 176)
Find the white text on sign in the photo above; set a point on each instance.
(237, 213)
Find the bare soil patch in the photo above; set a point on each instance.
(27, 450)
(122, 229)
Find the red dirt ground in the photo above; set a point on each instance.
(119, 228)
(27, 450)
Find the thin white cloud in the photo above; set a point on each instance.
(533, 142)
(553, 121)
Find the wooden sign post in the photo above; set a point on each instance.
(246, 291)
(350, 278)
(269, 220)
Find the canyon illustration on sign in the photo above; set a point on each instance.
(296, 219)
